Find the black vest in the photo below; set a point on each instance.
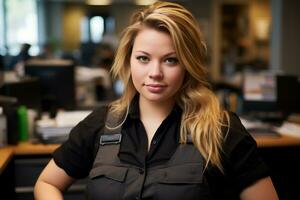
(179, 178)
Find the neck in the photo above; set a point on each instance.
(157, 111)
(152, 114)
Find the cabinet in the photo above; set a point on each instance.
(6, 182)
(27, 170)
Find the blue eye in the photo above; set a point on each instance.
(171, 61)
(142, 59)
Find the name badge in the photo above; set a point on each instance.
(110, 139)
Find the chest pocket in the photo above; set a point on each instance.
(182, 182)
(106, 182)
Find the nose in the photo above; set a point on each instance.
(155, 71)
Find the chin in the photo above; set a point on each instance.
(156, 97)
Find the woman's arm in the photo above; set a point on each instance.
(261, 190)
(52, 182)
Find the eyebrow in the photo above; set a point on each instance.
(168, 54)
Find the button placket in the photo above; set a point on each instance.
(142, 172)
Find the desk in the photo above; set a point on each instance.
(25, 148)
(20, 166)
(274, 141)
(6, 154)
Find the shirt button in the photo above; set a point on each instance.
(154, 142)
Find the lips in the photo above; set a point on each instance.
(155, 88)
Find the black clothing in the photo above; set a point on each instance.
(181, 177)
(242, 164)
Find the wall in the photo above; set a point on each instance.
(285, 36)
(260, 20)
(53, 22)
(290, 40)
(122, 13)
(73, 13)
(72, 16)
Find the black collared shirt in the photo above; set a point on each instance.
(134, 148)
(242, 164)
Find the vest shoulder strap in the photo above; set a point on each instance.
(110, 132)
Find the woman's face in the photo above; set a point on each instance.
(155, 69)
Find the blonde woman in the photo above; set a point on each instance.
(167, 137)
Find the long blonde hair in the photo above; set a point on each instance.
(202, 116)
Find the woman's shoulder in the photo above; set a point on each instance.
(241, 161)
(96, 117)
(235, 135)
(76, 154)
(89, 127)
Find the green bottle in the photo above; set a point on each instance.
(23, 123)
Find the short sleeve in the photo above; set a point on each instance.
(75, 156)
(245, 166)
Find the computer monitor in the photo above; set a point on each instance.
(288, 94)
(27, 92)
(57, 79)
(271, 96)
(259, 91)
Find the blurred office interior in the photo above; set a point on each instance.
(241, 35)
(55, 57)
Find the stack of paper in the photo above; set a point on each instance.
(57, 130)
(289, 128)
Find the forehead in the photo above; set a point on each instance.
(149, 39)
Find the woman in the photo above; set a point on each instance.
(167, 137)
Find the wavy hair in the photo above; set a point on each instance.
(202, 117)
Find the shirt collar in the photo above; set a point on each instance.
(134, 109)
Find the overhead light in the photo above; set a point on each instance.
(144, 2)
(99, 2)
